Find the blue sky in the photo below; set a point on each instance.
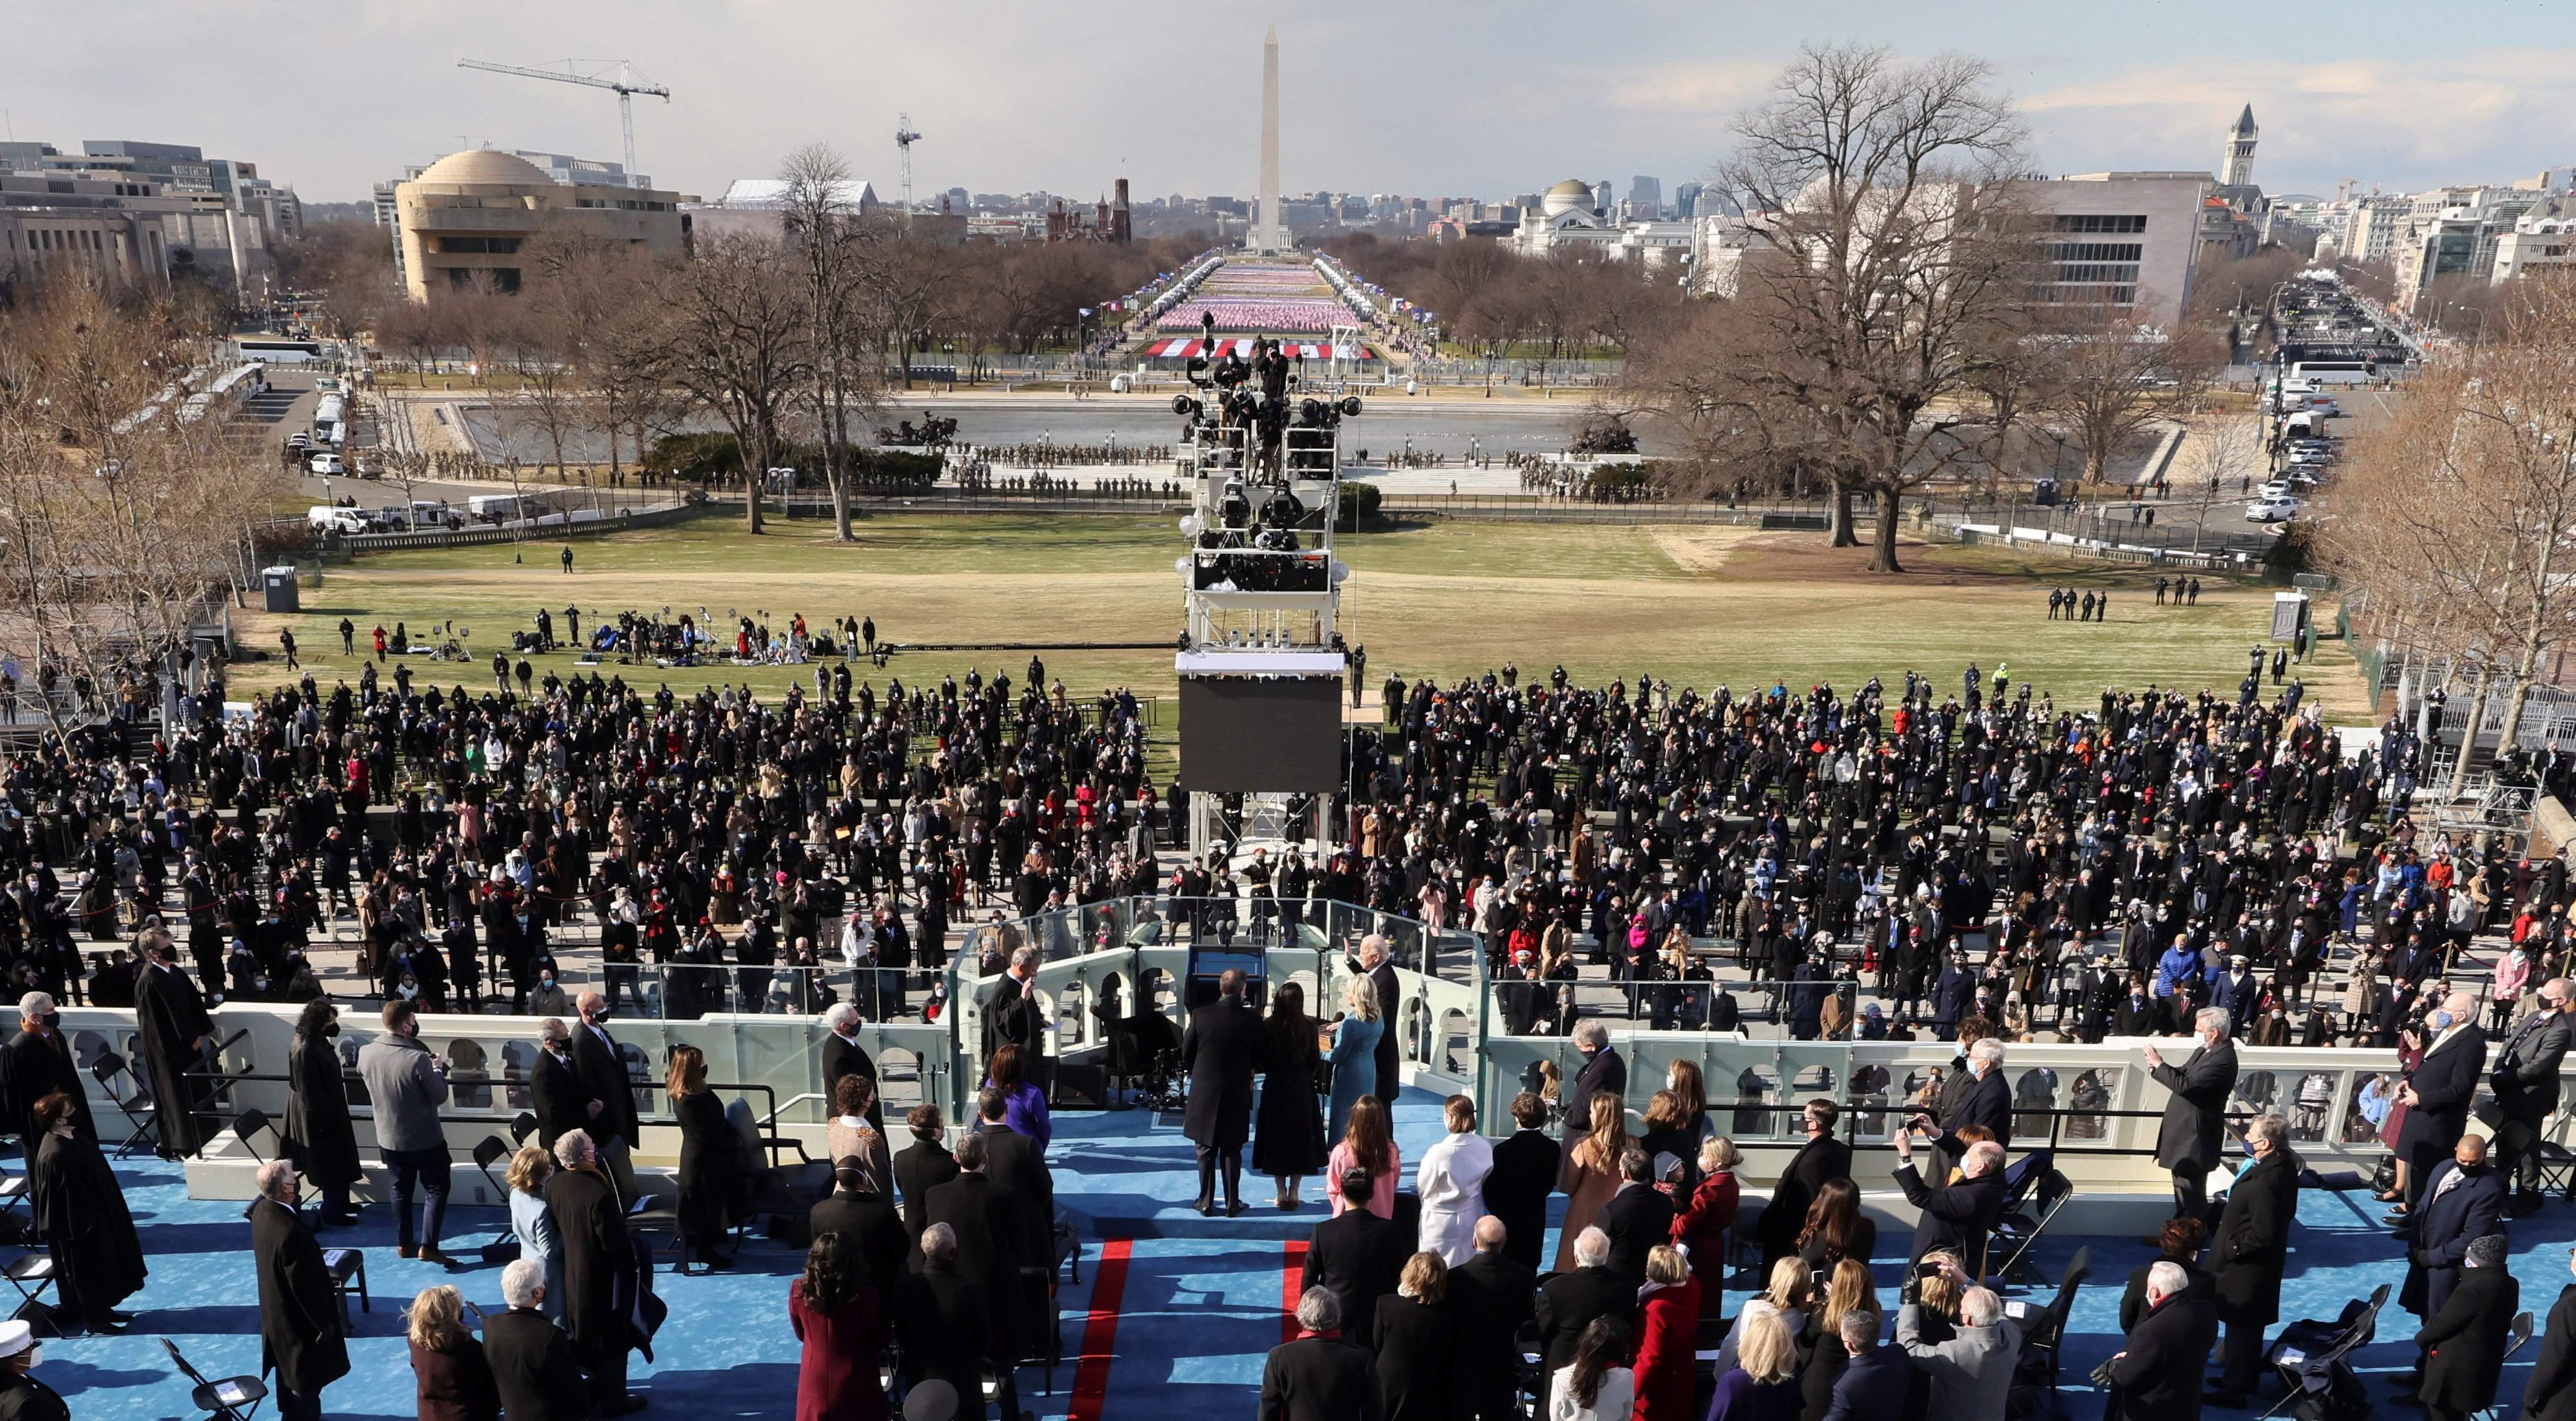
(1422, 97)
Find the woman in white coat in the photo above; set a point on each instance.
(1451, 1182)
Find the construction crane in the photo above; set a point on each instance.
(624, 86)
(904, 138)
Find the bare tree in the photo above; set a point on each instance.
(832, 248)
(2220, 451)
(2470, 493)
(1887, 239)
(2112, 374)
(736, 345)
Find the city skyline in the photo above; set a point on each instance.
(1423, 101)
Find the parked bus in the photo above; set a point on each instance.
(2334, 372)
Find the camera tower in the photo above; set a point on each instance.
(1261, 660)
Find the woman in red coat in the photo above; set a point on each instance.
(1665, 1356)
(838, 1318)
(1701, 1223)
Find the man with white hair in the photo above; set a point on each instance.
(2525, 1078)
(1318, 1375)
(533, 1364)
(942, 1320)
(1957, 1217)
(39, 1064)
(2440, 1090)
(299, 1310)
(598, 1259)
(2187, 1143)
(1972, 1372)
(1571, 1302)
(1602, 1071)
(2158, 1368)
(1490, 1296)
(1985, 1100)
(844, 1056)
(1380, 967)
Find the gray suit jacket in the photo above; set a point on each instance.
(1972, 1373)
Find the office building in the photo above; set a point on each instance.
(2129, 240)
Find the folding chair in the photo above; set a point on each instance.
(36, 1268)
(2557, 1168)
(2516, 1334)
(250, 1122)
(2033, 1193)
(2309, 1355)
(2044, 1336)
(348, 1265)
(488, 1151)
(143, 1131)
(232, 1399)
(13, 1192)
(522, 1126)
(1068, 1251)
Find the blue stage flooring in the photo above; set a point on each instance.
(1199, 1307)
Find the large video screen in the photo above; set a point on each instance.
(1248, 735)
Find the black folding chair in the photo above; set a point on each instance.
(36, 1269)
(2310, 1355)
(250, 1122)
(347, 1266)
(2516, 1334)
(2044, 1335)
(232, 1399)
(143, 1130)
(522, 1126)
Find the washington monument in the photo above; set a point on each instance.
(1268, 233)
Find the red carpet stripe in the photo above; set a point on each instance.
(1289, 1285)
(1100, 1333)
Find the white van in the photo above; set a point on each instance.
(503, 507)
(326, 518)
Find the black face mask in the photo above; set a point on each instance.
(330, 1030)
(53, 1021)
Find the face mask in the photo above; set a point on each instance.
(2441, 1021)
(331, 1030)
(53, 1020)
(546, 981)
(35, 1355)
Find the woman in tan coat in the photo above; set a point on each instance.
(1591, 1173)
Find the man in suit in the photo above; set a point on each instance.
(1958, 1217)
(533, 1364)
(2187, 1142)
(1638, 1218)
(858, 1210)
(1358, 1255)
(612, 1128)
(1524, 1174)
(1872, 1385)
(1972, 1372)
(2462, 1202)
(1490, 1296)
(1220, 1050)
(1821, 1158)
(1984, 1099)
(1379, 966)
(2464, 1340)
(1602, 1071)
(599, 1262)
(1319, 1375)
(299, 1313)
(2439, 1091)
(2525, 1079)
(1012, 1161)
(2551, 1393)
(2157, 1370)
(941, 1323)
(562, 1100)
(38, 1063)
(844, 1056)
(992, 1247)
(2248, 1254)
(1569, 1302)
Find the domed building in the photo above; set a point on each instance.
(461, 224)
(1565, 217)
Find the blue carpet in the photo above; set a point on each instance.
(1197, 1313)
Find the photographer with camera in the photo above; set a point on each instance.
(1958, 1216)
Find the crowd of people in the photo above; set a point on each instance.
(1983, 866)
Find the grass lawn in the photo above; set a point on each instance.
(1693, 605)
